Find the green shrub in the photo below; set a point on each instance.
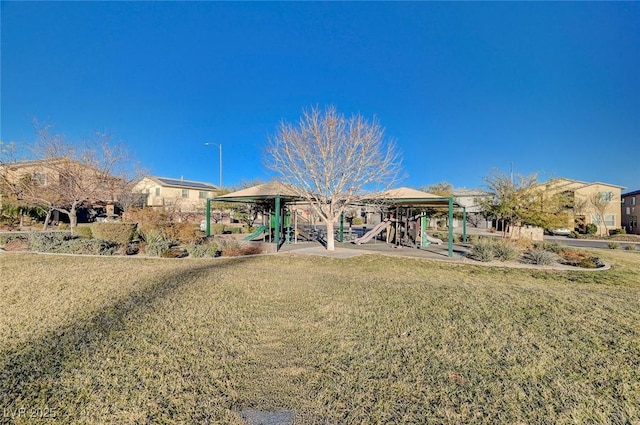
(83, 232)
(539, 257)
(357, 221)
(613, 245)
(554, 247)
(505, 251)
(630, 247)
(591, 229)
(88, 246)
(203, 250)
(157, 245)
(614, 232)
(6, 238)
(63, 243)
(483, 251)
(120, 233)
(217, 228)
(47, 241)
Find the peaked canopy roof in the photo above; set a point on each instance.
(406, 196)
(261, 192)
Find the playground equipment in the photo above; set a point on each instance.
(260, 231)
(379, 228)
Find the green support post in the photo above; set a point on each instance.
(208, 218)
(277, 224)
(423, 231)
(341, 234)
(450, 227)
(464, 224)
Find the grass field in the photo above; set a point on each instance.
(367, 340)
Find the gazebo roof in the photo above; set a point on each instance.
(406, 196)
(261, 192)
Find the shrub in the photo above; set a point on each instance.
(357, 221)
(554, 247)
(483, 251)
(217, 228)
(88, 246)
(614, 232)
(574, 235)
(47, 241)
(613, 245)
(83, 232)
(505, 251)
(203, 250)
(591, 229)
(235, 248)
(156, 244)
(120, 233)
(63, 243)
(6, 238)
(572, 257)
(630, 247)
(539, 257)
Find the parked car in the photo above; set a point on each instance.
(107, 218)
(560, 232)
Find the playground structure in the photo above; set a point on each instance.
(404, 217)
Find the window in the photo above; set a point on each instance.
(633, 200)
(628, 210)
(202, 194)
(606, 196)
(610, 220)
(185, 193)
(633, 222)
(40, 178)
(157, 191)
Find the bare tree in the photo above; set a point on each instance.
(77, 174)
(331, 161)
(599, 203)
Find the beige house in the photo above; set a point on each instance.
(597, 202)
(59, 182)
(183, 195)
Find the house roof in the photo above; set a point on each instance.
(635, 192)
(182, 183)
(560, 182)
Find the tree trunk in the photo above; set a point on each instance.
(330, 241)
(47, 219)
(73, 216)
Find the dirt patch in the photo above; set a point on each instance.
(16, 245)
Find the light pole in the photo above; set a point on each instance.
(219, 145)
(208, 212)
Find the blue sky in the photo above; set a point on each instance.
(462, 88)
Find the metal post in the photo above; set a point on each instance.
(208, 217)
(450, 227)
(341, 234)
(277, 224)
(219, 145)
(464, 224)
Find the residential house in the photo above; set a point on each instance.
(631, 211)
(582, 200)
(185, 196)
(470, 199)
(59, 181)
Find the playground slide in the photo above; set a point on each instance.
(433, 240)
(259, 231)
(373, 232)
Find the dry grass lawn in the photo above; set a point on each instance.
(371, 339)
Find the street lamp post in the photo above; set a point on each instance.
(219, 145)
(208, 212)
